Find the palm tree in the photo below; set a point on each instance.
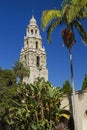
(70, 14)
(20, 70)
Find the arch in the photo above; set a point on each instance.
(31, 31)
(35, 31)
(25, 57)
(36, 44)
(27, 42)
(38, 61)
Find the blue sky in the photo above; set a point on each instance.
(14, 18)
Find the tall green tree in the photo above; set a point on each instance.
(70, 14)
(84, 85)
(67, 89)
(7, 78)
(7, 91)
(20, 70)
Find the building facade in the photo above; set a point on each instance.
(81, 107)
(33, 55)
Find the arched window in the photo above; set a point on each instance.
(31, 31)
(37, 61)
(36, 44)
(27, 42)
(35, 31)
(25, 57)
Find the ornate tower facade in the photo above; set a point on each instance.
(33, 55)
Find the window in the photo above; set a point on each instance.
(36, 44)
(27, 42)
(25, 57)
(35, 31)
(31, 31)
(37, 61)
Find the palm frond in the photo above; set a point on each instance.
(84, 14)
(72, 13)
(78, 9)
(65, 9)
(80, 3)
(75, 2)
(66, 2)
(81, 31)
(51, 27)
(65, 115)
(48, 16)
(84, 3)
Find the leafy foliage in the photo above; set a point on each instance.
(84, 85)
(20, 70)
(29, 107)
(7, 89)
(7, 78)
(35, 107)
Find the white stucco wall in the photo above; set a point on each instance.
(81, 106)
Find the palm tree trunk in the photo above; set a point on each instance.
(73, 91)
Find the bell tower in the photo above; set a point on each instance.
(33, 55)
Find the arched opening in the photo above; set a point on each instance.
(35, 31)
(27, 42)
(36, 44)
(25, 57)
(31, 31)
(37, 61)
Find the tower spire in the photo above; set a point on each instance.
(33, 55)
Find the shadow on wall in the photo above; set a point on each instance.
(81, 94)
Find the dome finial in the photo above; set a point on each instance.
(32, 13)
(33, 20)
